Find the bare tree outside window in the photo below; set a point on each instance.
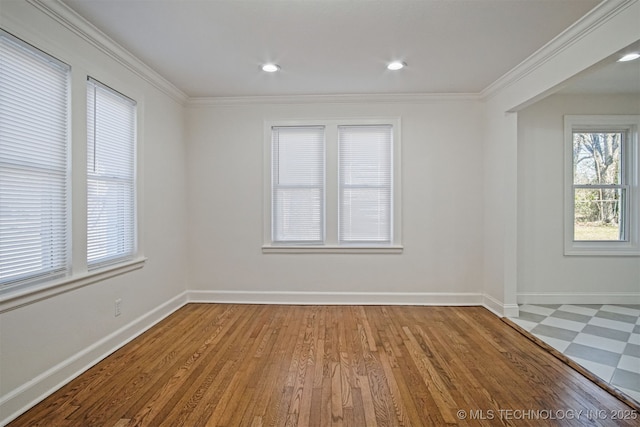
(599, 191)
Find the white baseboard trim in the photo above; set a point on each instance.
(335, 298)
(498, 308)
(29, 394)
(578, 298)
(356, 298)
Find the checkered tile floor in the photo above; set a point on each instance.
(604, 339)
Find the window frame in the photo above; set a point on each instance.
(331, 203)
(344, 188)
(277, 187)
(630, 164)
(62, 268)
(120, 256)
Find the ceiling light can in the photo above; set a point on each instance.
(629, 57)
(270, 68)
(396, 65)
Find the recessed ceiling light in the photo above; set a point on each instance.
(270, 68)
(396, 65)
(629, 57)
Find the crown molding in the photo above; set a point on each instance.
(397, 98)
(92, 35)
(596, 17)
(88, 32)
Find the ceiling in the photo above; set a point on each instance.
(608, 76)
(214, 48)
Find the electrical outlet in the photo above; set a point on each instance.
(118, 307)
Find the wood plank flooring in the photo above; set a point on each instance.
(265, 365)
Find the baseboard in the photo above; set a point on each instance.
(29, 394)
(356, 298)
(498, 308)
(578, 298)
(335, 298)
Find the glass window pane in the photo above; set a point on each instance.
(365, 175)
(365, 215)
(298, 214)
(598, 214)
(298, 155)
(111, 136)
(34, 169)
(297, 184)
(596, 157)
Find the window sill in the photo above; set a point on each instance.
(28, 295)
(270, 249)
(601, 249)
(602, 253)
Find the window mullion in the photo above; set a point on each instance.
(78, 172)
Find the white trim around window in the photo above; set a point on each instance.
(329, 206)
(625, 185)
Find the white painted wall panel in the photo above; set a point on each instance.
(442, 203)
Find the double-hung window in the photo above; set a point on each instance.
(34, 165)
(332, 185)
(601, 201)
(111, 213)
(365, 179)
(297, 178)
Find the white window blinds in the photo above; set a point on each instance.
(111, 135)
(365, 181)
(297, 184)
(34, 168)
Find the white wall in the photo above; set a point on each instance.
(544, 273)
(46, 342)
(442, 209)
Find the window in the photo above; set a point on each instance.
(34, 165)
(365, 166)
(601, 204)
(298, 184)
(111, 130)
(332, 186)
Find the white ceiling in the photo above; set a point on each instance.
(215, 47)
(608, 77)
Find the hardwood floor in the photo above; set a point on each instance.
(265, 365)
